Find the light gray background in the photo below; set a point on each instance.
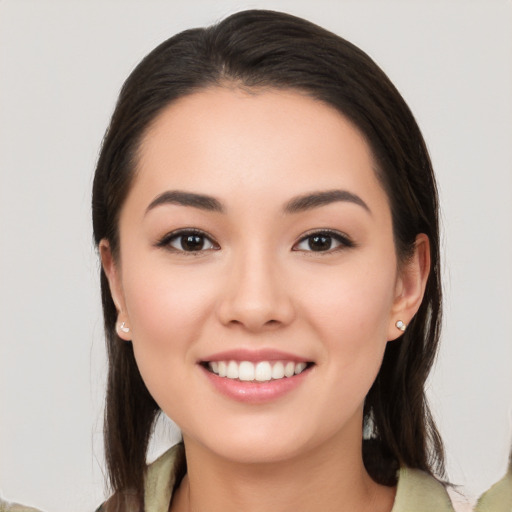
(61, 66)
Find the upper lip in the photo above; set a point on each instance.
(263, 354)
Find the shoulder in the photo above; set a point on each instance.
(499, 497)
(160, 479)
(419, 492)
(162, 476)
(6, 506)
(125, 501)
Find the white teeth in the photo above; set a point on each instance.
(246, 371)
(278, 370)
(223, 369)
(262, 371)
(232, 370)
(289, 369)
(300, 367)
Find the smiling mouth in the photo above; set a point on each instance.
(262, 371)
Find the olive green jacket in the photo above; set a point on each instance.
(499, 497)
(416, 491)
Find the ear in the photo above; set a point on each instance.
(410, 286)
(112, 271)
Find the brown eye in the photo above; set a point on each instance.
(323, 241)
(188, 241)
(192, 242)
(320, 242)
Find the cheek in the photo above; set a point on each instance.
(160, 297)
(350, 313)
(356, 301)
(167, 311)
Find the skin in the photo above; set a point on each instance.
(259, 285)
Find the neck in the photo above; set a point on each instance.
(327, 478)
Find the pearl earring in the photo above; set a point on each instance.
(401, 325)
(122, 327)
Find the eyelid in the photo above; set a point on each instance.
(345, 242)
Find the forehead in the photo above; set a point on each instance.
(228, 142)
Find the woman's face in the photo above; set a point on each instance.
(256, 243)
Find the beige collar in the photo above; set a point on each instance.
(416, 490)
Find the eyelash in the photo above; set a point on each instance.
(343, 240)
(334, 236)
(167, 240)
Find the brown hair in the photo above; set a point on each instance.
(255, 49)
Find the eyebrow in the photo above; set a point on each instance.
(200, 201)
(294, 205)
(316, 199)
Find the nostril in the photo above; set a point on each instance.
(256, 324)
(255, 308)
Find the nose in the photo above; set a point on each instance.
(256, 295)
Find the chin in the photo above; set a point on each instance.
(261, 451)
(273, 442)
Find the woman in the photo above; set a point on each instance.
(266, 215)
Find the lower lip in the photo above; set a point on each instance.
(255, 392)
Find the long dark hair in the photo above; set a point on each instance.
(265, 49)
